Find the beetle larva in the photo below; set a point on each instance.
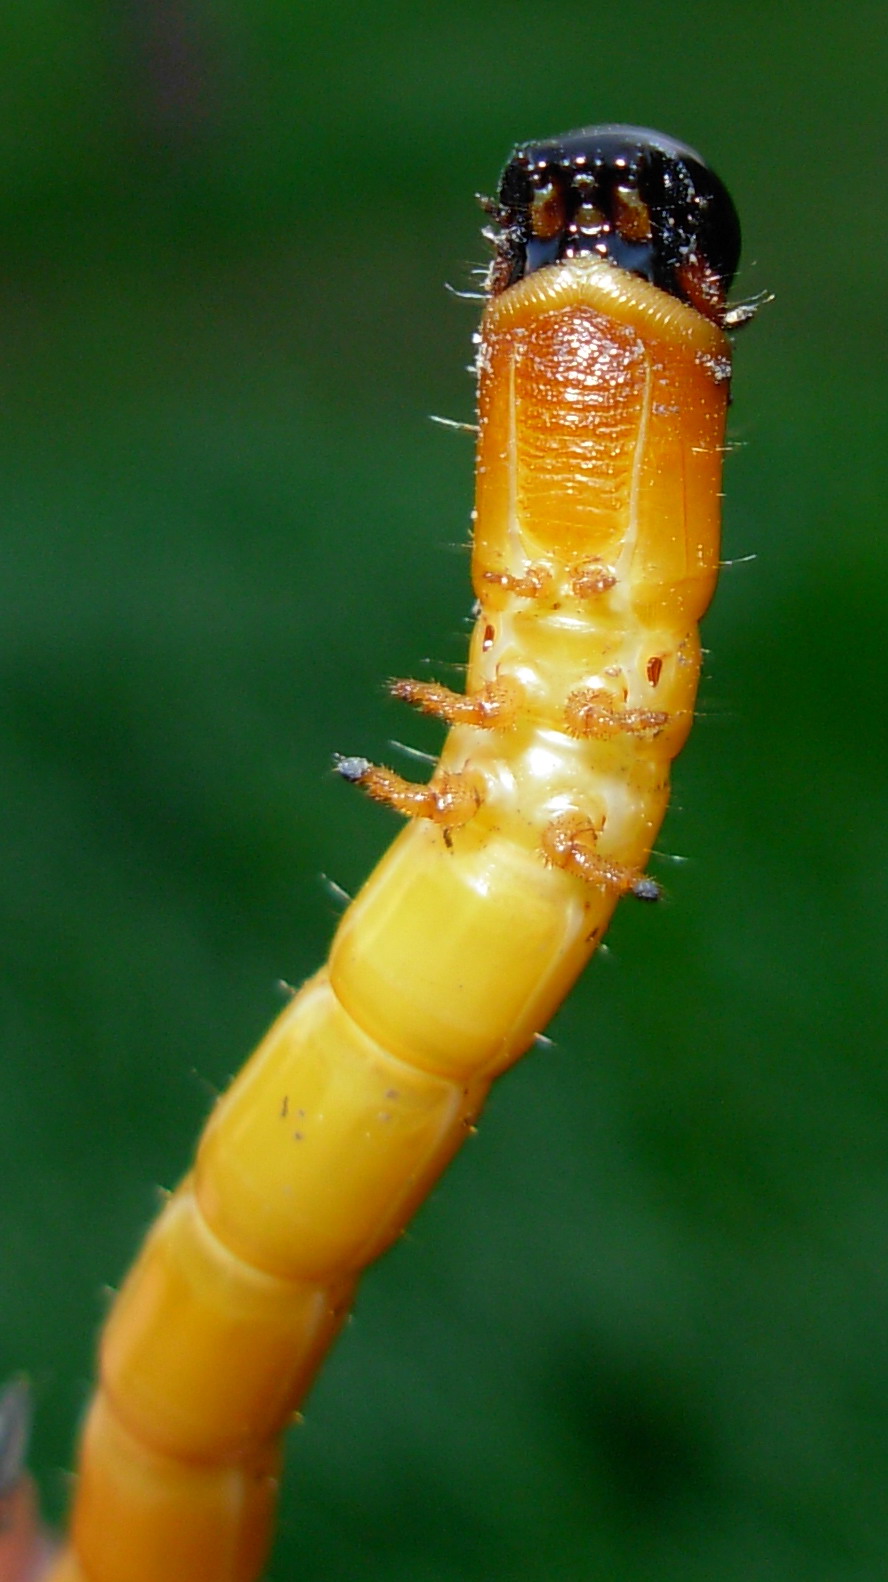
(603, 375)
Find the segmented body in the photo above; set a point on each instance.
(601, 415)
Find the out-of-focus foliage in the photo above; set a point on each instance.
(640, 1330)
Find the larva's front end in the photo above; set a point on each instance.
(604, 377)
(603, 381)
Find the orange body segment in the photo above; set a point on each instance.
(191, 1313)
(314, 1159)
(143, 1517)
(602, 406)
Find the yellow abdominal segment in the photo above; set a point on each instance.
(601, 406)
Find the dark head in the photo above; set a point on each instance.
(642, 200)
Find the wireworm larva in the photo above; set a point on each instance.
(603, 375)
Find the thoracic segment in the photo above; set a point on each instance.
(451, 799)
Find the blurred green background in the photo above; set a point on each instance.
(640, 1331)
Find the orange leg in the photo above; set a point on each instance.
(493, 706)
(592, 713)
(449, 800)
(569, 842)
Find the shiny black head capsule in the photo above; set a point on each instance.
(642, 200)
